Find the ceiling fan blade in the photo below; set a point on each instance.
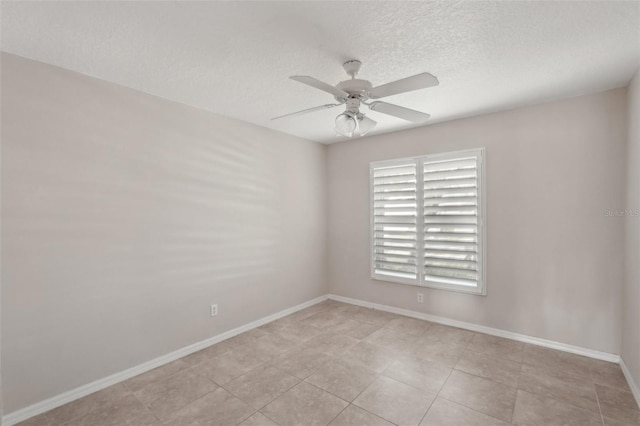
(416, 82)
(398, 111)
(310, 81)
(306, 111)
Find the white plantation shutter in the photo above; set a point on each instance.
(452, 219)
(445, 250)
(394, 220)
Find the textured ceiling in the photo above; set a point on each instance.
(233, 58)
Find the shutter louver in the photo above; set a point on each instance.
(395, 220)
(451, 221)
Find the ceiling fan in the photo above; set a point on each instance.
(356, 92)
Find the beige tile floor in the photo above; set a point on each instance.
(338, 364)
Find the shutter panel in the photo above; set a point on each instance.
(394, 220)
(451, 220)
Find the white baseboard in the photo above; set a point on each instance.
(483, 329)
(66, 397)
(635, 388)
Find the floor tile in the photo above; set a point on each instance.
(497, 346)
(343, 379)
(311, 310)
(229, 365)
(218, 408)
(372, 316)
(324, 320)
(270, 327)
(306, 405)
(486, 396)
(412, 326)
(258, 419)
(618, 405)
(394, 401)
(356, 416)
(297, 332)
(609, 374)
(374, 357)
(447, 413)
(301, 362)
(561, 362)
(608, 421)
(95, 402)
(136, 383)
(331, 344)
(126, 411)
(395, 340)
(570, 389)
(450, 335)
(271, 345)
(537, 410)
(440, 352)
(419, 373)
(40, 420)
(490, 367)
(166, 396)
(246, 338)
(261, 385)
(207, 353)
(349, 311)
(356, 329)
(335, 303)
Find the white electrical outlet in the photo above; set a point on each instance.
(420, 299)
(214, 310)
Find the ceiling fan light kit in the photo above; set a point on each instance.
(351, 124)
(356, 92)
(346, 124)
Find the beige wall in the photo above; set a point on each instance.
(554, 259)
(125, 216)
(631, 293)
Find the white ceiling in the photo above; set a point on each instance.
(233, 58)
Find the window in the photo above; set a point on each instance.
(427, 221)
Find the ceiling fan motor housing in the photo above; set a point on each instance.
(355, 87)
(353, 104)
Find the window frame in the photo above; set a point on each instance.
(420, 281)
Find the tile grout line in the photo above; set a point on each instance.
(264, 414)
(269, 402)
(357, 406)
(598, 401)
(446, 380)
(356, 397)
(551, 372)
(147, 407)
(190, 367)
(334, 417)
(517, 389)
(305, 381)
(190, 402)
(471, 374)
(323, 390)
(513, 408)
(443, 383)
